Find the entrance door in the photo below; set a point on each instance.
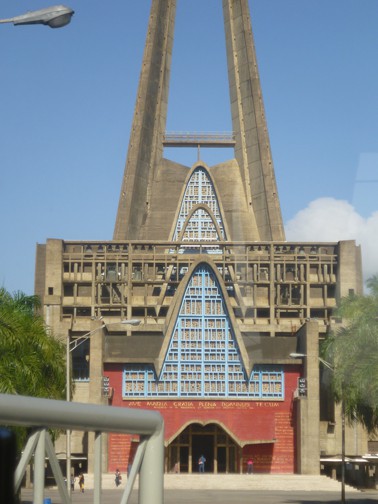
(203, 445)
(211, 441)
(222, 459)
(184, 457)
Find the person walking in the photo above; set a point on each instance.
(250, 466)
(201, 464)
(81, 482)
(118, 478)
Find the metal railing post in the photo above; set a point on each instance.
(151, 475)
(97, 468)
(39, 469)
(35, 412)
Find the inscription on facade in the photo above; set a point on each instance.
(201, 405)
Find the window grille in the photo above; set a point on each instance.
(203, 357)
(199, 190)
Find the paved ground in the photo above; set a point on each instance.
(226, 489)
(220, 497)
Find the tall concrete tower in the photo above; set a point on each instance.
(199, 257)
(152, 185)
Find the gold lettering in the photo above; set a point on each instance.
(182, 404)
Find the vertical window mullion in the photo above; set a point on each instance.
(178, 362)
(203, 335)
(227, 350)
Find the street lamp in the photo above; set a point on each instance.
(329, 366)
(55, 17)
(70, 347)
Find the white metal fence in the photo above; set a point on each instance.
(45, 413)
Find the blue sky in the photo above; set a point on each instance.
(67, 101)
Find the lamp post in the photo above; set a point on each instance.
(55, 17)
(329, 366)
(70, 347)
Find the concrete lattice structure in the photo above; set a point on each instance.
(265, 297)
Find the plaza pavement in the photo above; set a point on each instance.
(225, 489)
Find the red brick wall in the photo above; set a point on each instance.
(249, 422)
(118, 452)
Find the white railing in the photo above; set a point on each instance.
(46, 413)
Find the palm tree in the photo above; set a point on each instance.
(32, 362)
(353, 352)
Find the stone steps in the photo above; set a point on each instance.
(279, 482)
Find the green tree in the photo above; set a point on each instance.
(353, 352)
(32, 362)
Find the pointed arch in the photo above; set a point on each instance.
(174, 312)
(200, 225)
(202, 355)
(199, 191)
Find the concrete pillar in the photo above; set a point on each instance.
(96, 359)
(308, 411)
(190, 461)
(150, 115)
(349, 269)
(252, 149)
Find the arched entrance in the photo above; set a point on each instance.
(219, 449)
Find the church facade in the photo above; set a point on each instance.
(199, 258)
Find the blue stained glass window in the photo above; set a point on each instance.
(203, 357)
(199, 190)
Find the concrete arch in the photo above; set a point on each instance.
(204, 423)
(195, 167)
(173, 314)
(210, 214)
(210, 439)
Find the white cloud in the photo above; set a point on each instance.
(329, 219)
